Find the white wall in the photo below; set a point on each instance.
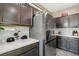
(72, 10)
(65, 31)
(9, 31)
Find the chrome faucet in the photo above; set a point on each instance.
(17, 35)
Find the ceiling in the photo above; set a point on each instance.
(54, 7)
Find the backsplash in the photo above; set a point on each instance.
(9, 32)
(65, 31)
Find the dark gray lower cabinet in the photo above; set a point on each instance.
(57, 42)
(69, 44)
(30, 50)
(62, 42)
(74, 45)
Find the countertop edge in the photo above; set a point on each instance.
(65, 35)
(3, 50)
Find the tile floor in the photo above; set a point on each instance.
(50, 51)
(60, 52)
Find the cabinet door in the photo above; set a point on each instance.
(26, 14)
(62, 22)
(74, 45)
(68, 44)
(63, 43)
(11, 13)
(1, 12)
(74, 20)
(58, 23)
(59, 42)
(52, 23)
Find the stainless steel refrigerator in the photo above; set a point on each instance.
(38, 31)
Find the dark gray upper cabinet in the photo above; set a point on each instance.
(58, 23)
(71, 21)
(50, 22)
(26, 14)
(16, 13)
(11, 14)
(62, 22)
(74, 20)
(1, 12)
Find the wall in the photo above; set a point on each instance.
(10, 30)
(72, 10)
(65, 31)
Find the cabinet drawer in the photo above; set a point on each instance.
(20, 50)
(32, 52)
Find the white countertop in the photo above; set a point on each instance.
(64, 35)
(6, 47)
